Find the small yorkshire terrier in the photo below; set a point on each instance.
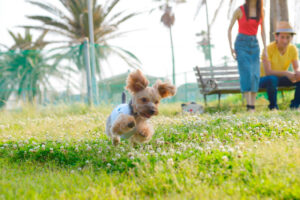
(130, 121)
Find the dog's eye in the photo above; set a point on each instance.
(144, 100)
(156, 102)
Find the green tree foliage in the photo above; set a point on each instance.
(24, 69)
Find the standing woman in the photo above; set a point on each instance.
(246, 48)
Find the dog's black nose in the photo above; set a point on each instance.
(151, 112)
(131, 124)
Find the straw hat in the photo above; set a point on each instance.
(284, 27)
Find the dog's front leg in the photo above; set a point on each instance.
(143, 134)
(123, 124)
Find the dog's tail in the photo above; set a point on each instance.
(123, 97)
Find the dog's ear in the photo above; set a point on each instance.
(164, 89)
(136, 82)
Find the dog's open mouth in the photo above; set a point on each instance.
(147, 115)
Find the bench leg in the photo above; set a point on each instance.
(282, 94)
(219, 98)
(243, 99)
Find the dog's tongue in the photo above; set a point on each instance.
(147, 115)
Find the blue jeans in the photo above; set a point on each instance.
(272, 82)
(247, 52)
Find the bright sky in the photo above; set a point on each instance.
(151, 42)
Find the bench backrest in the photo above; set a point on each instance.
(217, 78)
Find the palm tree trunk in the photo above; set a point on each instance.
(173, 56)
(208, 37)
(278, 12)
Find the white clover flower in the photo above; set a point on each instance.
(108, 165)
(43, 147)
(61, 147)
(230, 150)
(158, 149)
(118, 155)
(268, 142)
(170, 161)
(225, 158)
(131, 154)
(87, 162)
(151, 152)
(30, 150)
(79, 168)
(72, 171)
(199, 148)
(164, 153)
(131, 157)
(15, 146)
(88, 148)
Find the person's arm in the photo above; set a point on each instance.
(269, 71)
(236, 16)
(263, 36)
(295, 64)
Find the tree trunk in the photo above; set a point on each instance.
(278, 12)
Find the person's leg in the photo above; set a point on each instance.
(253, 98)
(284, 81)
(271, 84)
(247, 96)
(255, 71)
(244, 58)
(296, 101)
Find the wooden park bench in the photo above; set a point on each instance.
(222, 80)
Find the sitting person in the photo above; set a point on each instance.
(274, 68)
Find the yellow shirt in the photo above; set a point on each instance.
(280, 62)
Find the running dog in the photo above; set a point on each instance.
(130, 121)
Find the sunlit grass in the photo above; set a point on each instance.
(61, 152)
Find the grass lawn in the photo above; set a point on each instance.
(62, 153)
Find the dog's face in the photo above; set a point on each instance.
(145, 100)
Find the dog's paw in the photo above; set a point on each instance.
(116, 141)
(143, 133)
(131, 124)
